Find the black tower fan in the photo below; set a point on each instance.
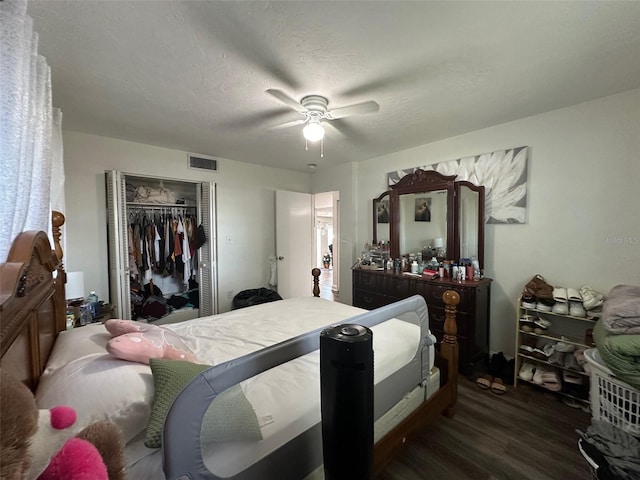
(346, 388)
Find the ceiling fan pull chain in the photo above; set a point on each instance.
(306, 144)
(321, 147)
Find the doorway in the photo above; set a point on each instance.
(326, 235)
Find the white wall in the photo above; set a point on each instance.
(245, 208)
(583, 198)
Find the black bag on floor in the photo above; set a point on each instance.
(254, 296)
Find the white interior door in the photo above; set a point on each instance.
(294, 243)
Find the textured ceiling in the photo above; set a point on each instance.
(192, 75)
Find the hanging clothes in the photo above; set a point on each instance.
(186, 255)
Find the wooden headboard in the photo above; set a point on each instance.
(32, 303)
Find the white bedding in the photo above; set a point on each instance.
(222, 337)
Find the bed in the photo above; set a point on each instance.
(32, 313)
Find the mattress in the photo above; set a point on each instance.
(219, 338)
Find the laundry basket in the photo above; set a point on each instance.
(612, 400)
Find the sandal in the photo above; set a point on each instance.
(541, 325)
(498, 387)
(527, 323)
(484, 381)
(551, 381)
(569, 377)
(573, 295)
(560, 294)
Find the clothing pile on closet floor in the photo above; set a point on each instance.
(617, 333)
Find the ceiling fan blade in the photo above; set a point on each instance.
(345, 129)
(284, 98)
(331, 128)
(355, 109)
(256, 120)
(292, 123)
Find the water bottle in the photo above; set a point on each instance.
(85, 314)
(92, 300)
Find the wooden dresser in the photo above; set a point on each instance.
(375, 288)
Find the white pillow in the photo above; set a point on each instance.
(76, 343)
(100, 387)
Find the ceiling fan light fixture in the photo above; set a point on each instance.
(313, 131)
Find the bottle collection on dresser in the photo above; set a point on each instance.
(554, 328)
(428, 263)
(379, 279)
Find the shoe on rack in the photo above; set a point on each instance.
(557, 358)
(537, 375)
(543, 307)
(582, 361)
(551, 380)
(539, 288)
(560, 294)
(571, 362)
(565, 347)
(573, 295)
(542, 323)
(527, 323)
(561, 308)
(576, 309)
(590, 298)
(526, 371)
(528, 345)
(528, 301)
(544, 349)
(570, 377)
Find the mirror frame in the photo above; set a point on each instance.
(418, 182)
(481, 212)
(375, 216)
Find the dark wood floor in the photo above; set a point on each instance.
(526, 433)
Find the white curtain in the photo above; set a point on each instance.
(30, 129)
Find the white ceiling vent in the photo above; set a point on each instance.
(203, 162)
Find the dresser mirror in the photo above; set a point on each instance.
(432, 214)
(421, 206)
(469, 207)
(381, 218)
(423, 222)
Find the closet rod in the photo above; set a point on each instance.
(158, 208)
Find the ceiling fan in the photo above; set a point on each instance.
(316, 113)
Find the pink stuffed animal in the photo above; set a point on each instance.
(78, 459)
(49, 444)
(139, 342)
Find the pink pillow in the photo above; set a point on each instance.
(142, 341)
(116, 327)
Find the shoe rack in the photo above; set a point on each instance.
(570, 331)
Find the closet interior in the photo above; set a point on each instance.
(161, 247)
